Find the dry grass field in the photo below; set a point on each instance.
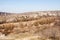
(41, 25)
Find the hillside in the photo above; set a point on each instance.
(40, 25)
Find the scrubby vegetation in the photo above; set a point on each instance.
(43, 25)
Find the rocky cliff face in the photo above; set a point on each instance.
(42, 25)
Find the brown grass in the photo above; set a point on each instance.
(30, 27)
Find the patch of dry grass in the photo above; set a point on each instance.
(29, 27)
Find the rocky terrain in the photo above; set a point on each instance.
(41, 25)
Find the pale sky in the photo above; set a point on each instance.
(18, 6)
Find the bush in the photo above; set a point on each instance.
(44, 21)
